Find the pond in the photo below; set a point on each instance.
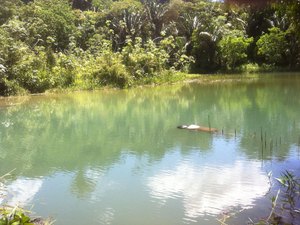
(117, 157)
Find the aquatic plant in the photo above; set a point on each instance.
(285, 205)
(15, 216)
(290, 184)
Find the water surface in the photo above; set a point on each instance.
(116, 157)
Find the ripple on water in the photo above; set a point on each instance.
(106, 216)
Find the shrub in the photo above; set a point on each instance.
(233, 50)
(111, 71)
(10, 87)
(32, 73)
(144, 61)
(272, 46)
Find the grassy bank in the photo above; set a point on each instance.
(166, 77)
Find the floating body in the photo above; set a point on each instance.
(197, 128)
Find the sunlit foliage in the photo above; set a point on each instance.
(46, 44)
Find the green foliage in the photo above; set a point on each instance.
(8, 9)
(102, 5)
(11, 53)
(8, 87)
(291, 8)
(284, 204)
(110, 71)
(87, 70)
(14, 217)
(156, 14)
(272, 46)
(51, 18)
(291, 186)
(136, 63)
(126, 18)
(118, 7)
(46, 44)
(204, 51)
(86, 27)
(145, 61)
(18, 216)
(233, 50)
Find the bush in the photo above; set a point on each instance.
(10, 87)
(144, 61)
(64, 70)
(272, 46)
(111, 71)
(32, 73)
(233, 50)
(104, 68)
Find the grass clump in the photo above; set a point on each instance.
(18, 216)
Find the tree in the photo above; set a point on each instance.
(126, 18)
(272, 46)
(102, 5)
(233, 50)
(81, 4)
(50, 18)
(208, 25)
(204, 51)
(11, 52)
(156, 13)
(290, 9)
(8, 9)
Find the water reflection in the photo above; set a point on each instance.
(98, 150)
(106, 216)
(21, 191)
(85, 182)
(209, 190)
(95, 127)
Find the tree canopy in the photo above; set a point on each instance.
(48, 44)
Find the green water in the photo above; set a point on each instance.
(116, 157)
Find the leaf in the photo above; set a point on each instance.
(25, 219)
(16, 223)
(3, 221)
(281, 181)
(273, 199)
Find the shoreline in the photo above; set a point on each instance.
(179, 78)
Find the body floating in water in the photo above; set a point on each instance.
(197, 128)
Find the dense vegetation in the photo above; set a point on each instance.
(47, 44)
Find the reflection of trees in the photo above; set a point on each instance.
(77, 130)
(274, 109)
(83, 184)
(270, 104)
